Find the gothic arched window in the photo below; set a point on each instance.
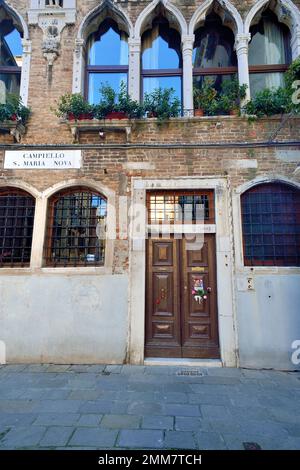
(213, 54)
(107, 59)
(161, 58)
(269, 53)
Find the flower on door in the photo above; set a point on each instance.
(198, 291)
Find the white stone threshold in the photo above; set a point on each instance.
(162, 361)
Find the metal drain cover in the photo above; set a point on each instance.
(190, 373)
(251, 446)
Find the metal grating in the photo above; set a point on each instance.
(76, 229)
(16, 227)
(180, 207)
(271, 225)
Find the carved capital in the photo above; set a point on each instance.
(242, 43)
(134, 45)
(187, 44)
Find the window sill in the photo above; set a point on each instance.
(14, 128)
(283, 270)
(79, 271)
(118, 125)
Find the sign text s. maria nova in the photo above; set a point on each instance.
(42, 159)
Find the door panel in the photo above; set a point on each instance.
(177, 324)
(199, 317)
(163, 335)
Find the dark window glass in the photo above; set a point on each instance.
(76, 228)
(213, 55)
(10, 57)
(161, 58)
(56, 3)
(269, 53)
(107, 59)
(16, 226)
(271, 225)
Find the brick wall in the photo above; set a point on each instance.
(108, 165)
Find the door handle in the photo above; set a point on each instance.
(185, 287)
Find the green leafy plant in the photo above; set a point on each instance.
(231, 95)
(14, 109)
(113, 102)
(162, 103)
(268, 102)
(74, 106)
(292, 78)
(129, 106)
(205, 96)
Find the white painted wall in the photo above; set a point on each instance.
(268, 320)
(64, 319)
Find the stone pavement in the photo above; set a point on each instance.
(152, 407)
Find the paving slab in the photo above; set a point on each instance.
(147, 407)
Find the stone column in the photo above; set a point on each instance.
(187, 60)
(38, 234)
(295, 42)
(26, 57)
(134, 68)
(242, 47)
(78, 66)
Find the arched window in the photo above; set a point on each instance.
(213, 54)
(10, 56)
(16, 226)
(107, 59)
(271, 225)
(76, 228)
(269, 53)
(161, 57)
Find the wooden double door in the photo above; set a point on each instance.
(178, 322)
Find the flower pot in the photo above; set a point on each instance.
(234, 112)
(80, 117)
(116, 115)
(85, 116)
(152, 114)
(198, 112)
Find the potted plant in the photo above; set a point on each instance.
(204, 98)
(13, 109)
(74, 107)
(115, 105)
(162, 103)
(127, 105)
(231, 96)
(269, 102)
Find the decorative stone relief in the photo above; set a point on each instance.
(52, 16)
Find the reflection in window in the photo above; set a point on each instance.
(107, 59)
(213, 54)
(16, 226)
(269, 53)
(168, 207)
(76, 228)
(10, 57)
(271, 225)
(161, 58)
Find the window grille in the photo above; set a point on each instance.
(16, 227)
(76, 229)
(169, 207)
(54, 3)
(271, 225)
